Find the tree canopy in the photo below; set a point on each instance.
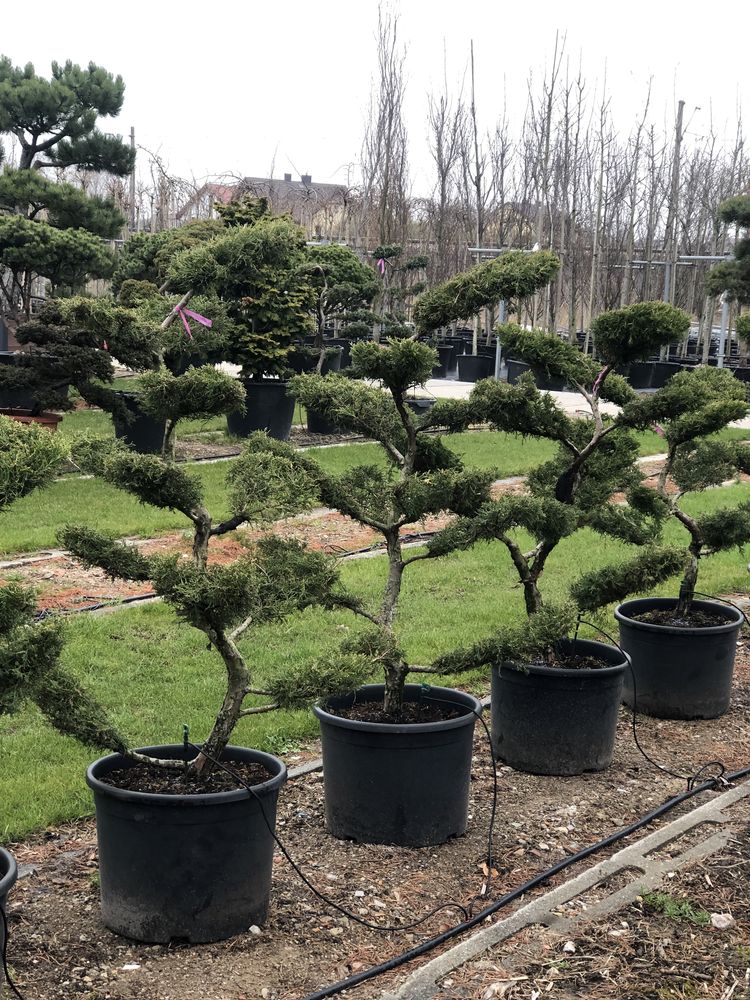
(733, 276)
(54, 120)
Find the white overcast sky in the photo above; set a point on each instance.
(233, 86)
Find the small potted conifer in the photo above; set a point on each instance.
(683, 649)
(396, 756)
(75, 341)
(555, 697)
(259, 272)
(185, 849)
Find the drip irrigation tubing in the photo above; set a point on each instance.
(510, 897)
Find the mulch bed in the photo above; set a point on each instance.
(59, 948)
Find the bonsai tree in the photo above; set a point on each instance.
(596, 458)
(54, 122)
(225, 602)
(734, 276)
(147, 256)
(422, 477)
(30, 666)
(74, 343)
(343, 285)
(692, 407)
(514, 275)
(400, 283)
(51, 231)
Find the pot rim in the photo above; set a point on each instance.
(623, 611)
(202, 799)
(8, 878)
(611, 670)
(473, 705)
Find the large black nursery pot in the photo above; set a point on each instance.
(142, 431)
(307, 360)
(446, 356)
(640, 374)
(8, 875)
(195, 868)
(318, 424)
(554, 720)
(678, 673)
(267, 408)
(474, 367)
(397, 784)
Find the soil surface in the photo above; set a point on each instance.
(60, 949)
(689, 619)
(573, 662)
(412, 713)
(688, 940)
(143, 778)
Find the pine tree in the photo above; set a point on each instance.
(54, 121)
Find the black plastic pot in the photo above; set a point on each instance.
(185, 867)
(267, 408)
(542, 379)
(8, 875)
(345, 360)
(680, 673)
(516, 369)
(640, 374)
(143, 432)
(318, 424)
(307, 361)
(663, 372)
(446, 354)
(397, 784)
(19, 399)
(421, 406)
(549, 720)
(473, 367)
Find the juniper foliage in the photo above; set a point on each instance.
(596, 458)
(422, 476)
(690, 408)
(30, 668)
(275, 578)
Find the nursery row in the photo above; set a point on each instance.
(397, 754)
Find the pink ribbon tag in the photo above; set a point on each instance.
(381, 265)
(105, 345)
(184, 313)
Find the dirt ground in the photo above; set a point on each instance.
(666, 946)
(59, 948)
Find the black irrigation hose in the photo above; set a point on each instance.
(49, 613)
(537, 880)
(3, 955)
(690, 779)
(316, 892)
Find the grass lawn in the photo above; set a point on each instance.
(36, 519)
(155, 676)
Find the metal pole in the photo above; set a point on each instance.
(502, 313)
(724, 326)
(132, 185)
